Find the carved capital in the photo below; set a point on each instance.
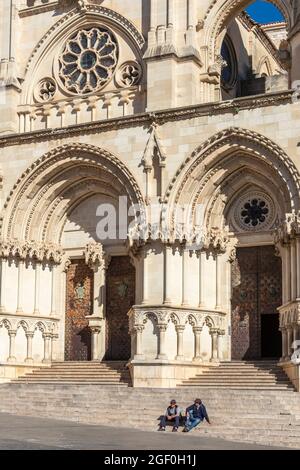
(94, 255)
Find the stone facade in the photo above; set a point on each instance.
(180, 108)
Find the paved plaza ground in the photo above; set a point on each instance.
(27, 433)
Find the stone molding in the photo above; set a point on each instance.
(94, 255)
(288, 230)
(30, 324)
(141, 119)
(73, 152)
(139, 316)
(38, 251)
(218, 13)
(290, 314)
(214, 240)
(70, 17)
(243, 137)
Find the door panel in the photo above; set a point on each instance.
(78, 306)
(120, 296)
(256, 292)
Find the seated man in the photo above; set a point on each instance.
(172, 414)
(195, 414)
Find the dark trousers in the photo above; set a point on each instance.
(164, 421)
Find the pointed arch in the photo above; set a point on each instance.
(233, 154)
(70, 22)
(221, 12)
(47, 192)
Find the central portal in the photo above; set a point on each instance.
(256, 295)
(120, 297)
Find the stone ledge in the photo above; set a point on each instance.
(161, 117)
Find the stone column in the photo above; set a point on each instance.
(12, 345)
(138, 331)
(20, 286)
(161, 354)
(298, 266)
(218, 281)
(4, 263)
(153, 15)
(96, 330)
(37, 288)
(167, 284)
(214, 345)
(197, 337)
(289, 342)
(47, 348)
(29, 337)
(295, 335)
(53, 290)
(179, 330)
(99, 289)
(288, 273)
(201, 278)
(293, 271)
(144, 279)
(185, 270)
(171, 13)
(284, 344)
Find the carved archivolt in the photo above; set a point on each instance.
(220, 13)
(221, 156)
(94, 13)
(34, 189)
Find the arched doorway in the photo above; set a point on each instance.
(62, 192)
(256, 296)
(120, 297)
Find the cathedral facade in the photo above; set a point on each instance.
(150, 186)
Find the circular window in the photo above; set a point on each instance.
(254, 211)
(88, 60)
(229, 71)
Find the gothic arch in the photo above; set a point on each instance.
(71, 22)
(223, 165)
(221, 12)
(47, 192)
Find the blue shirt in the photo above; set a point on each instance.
(198, 412)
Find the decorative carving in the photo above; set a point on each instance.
(84, 153)
(254, 211)
(70, 18)
(89, 60)
(94, 255)
(42, 252)
(129, 74)
(45, 90)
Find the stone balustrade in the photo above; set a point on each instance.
(67, 112)
(27, 339)
(166, 318)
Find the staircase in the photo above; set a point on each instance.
(79, 373)
(266, 413)
(243, 375)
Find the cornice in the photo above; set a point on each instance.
(160, 117)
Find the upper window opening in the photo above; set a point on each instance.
(229, 70)
(264, 12)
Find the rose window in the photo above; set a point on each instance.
(255, 212)
(89, 60)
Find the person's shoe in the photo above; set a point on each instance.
(162, 429)
(185, 430)
(175, 429)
